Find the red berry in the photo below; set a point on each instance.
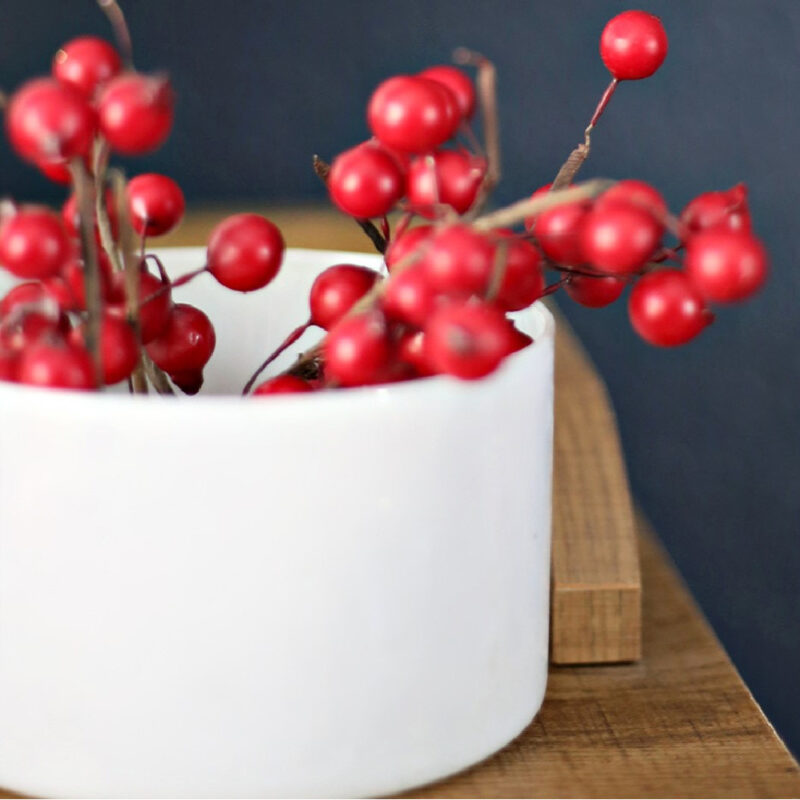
(409, 297)
(518, 339)
(458, 82)
(633, 45)
(459, 260)
(365, 181)
(411, 351)
(357, 350)
(542, 190)
(336, 290)
(411, 114)
(56, 171)
(718, 210)
(155, 303)
(9, 365)
(411, 241)
(72, 218)
(186, 344)
(619, 237)
(523, 281)
(33, 244)
(726, 266)
(282, 384)
(245, 252)
(188, 381)
(453, 178)
(666, 310)
(56, 365)
(48, 122)
(135, 112)
(31, 293)
(68, 289)
(558, 232)
(86, 63)
(595, 292)
(637, 193)
(468, 340)
(28, 327)
(119, 352)
(155, 204)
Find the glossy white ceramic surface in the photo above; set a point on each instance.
(321, 595)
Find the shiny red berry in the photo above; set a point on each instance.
(366, 181)
(633, 45)
(245, 252)
(726, 266)
(459, 260)
(412, 114)
(619, 237)
(49, 122)
(135, 112)
(282, 384)
(33, 244)
(9, 365)
(558, 232)
(452, 177)
(68, 287)
(468, 340)
(408, 243)
(86, 63)
(336, 290)
(637, 193)
(155, 204)
(56, 171)
(56, 365)
(458, 82)
(187, 342)
(409, 297)
(666, 310)
(523, 280)
(357, 350)
(595, 292)
(30, 293)
(119, 351)
(727, 210)
(411, 351)
(540, 192)
(155, 303)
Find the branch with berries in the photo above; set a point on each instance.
(94, 307)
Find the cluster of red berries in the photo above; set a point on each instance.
(452, 280)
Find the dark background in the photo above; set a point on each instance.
(711, 431)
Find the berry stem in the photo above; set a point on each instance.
(83, 192)
(287, 342)
(122, 33)
(498, 269)
(322, 169)
(101, 156)
(601, 106)
(554, 287)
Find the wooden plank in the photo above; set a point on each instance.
(596, 585)
(680, 723)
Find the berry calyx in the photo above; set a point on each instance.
(458, 82)
(49, 122)
(282, 384)
(595, 292)
(33, 244)
(56, 365)
(409, 297)
(523, 280)
(726, 266)
(357, 350)
(666, 309)
(459, 260)
(619, 237)
(86, 63)
(633, 45)
(155, 303)
(412, 114)
(451, 177)
(558, 231)
(725, 210)
(366, 181)
(186, 343)
(135, 112)
(245, 252)
(119, 351)
(336, 290)
(155, 204)
(467, 340)
(411, 241)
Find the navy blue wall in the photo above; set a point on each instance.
(712, 431)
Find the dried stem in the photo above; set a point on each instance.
(498, 269)
(157, 376)
(3, 100)
(84, 192)
(122, 34)
(287, 342)
(323, 169)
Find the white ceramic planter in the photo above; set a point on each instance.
(335, 594)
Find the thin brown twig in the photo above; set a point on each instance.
(322, 169)
(120, 28)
